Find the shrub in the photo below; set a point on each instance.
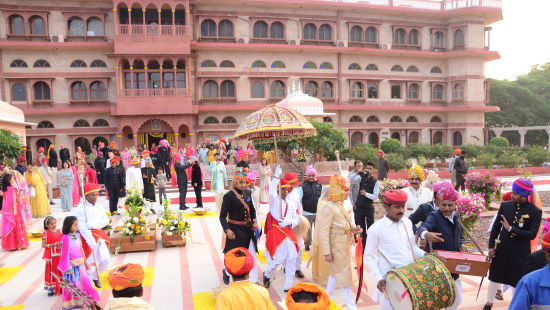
(396, 161)
(391, 146)
(500, 142)
(487, 160)
(494, 150)
(440, 151)
(416, 150)
(364, 153)
(472, 149)
(537, 155)
(511, 160)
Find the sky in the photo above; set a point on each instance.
(521, 38)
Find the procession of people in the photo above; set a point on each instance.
(263, 209)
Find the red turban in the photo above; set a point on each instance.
(91, 188)
(507, 196)
(112, 145)
(238, 261)
(125, 276)
(40, 150)
(395, 197)
(292, 178)
(546, 241)
(381, 152)
(284, 183)
(177, 157)
(22, 159)
(44, 160)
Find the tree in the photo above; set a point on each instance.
(391, 146)
(500, 142)
(364, 153)
(10, 145)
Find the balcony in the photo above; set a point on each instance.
(152, 39)
(429, 5)
(155, 101)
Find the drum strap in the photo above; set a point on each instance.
(409, 242)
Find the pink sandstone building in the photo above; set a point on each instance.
(136, 71)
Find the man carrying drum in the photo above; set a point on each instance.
(443, 232)
(393, 239)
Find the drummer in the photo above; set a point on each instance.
(392, 237)
(443, 232)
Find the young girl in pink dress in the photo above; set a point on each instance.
(72, 264)
(14, 232)
(51, 242)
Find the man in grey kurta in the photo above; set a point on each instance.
(382, 165)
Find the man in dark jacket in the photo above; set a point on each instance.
(383, 166)
(115, 181)
(535, 261)
(461, 169)
(52, 157)
(64, 154)
(21, 165)
(99, 165)
(421, 213)
(196, 180)
(182, 179)
(516, 224)
(368, 192)
(443, 232)
(164, 159)
(311, 192)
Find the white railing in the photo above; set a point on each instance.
(429, 5)
(152, 30)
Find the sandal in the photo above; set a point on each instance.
(498, 295)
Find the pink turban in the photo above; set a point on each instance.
(447, 193)
(310, 170)
(440, 185)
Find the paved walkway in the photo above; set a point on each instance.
(176, 278)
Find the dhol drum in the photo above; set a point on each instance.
(423, 285)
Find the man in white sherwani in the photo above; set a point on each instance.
(133, 176)
(416, 193)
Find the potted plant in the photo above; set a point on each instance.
(174, 227)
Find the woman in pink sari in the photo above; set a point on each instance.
(76, 186)
(14, 232)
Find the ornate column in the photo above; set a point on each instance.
(522, 137)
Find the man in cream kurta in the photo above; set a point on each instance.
(47, 175)
(133, 176)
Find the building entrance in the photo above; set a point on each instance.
(150, 138)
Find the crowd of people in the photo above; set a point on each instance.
(261, 207)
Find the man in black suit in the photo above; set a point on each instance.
(52, 157)
(182, 179)
(115, 181)
(64, 154)
(196, 180)
(368, 193)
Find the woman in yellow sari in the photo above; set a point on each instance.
(40, 205)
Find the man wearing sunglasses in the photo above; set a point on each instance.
(416, 193)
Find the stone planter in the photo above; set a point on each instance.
(172, 240)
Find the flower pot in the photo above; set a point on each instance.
(123, 244)
(172, 240)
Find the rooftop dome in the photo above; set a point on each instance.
(303, 103)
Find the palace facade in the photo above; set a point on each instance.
(137, 71)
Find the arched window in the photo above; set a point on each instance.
(180, 74)
(327, 119)
(396, 91)
(225, 29)
(208, 28)
(229, 120)
(435, 70)
(439, 39)
(258, 64)
(41, 91)
(45, 124)
(438, 138)
(179, 15)
(354, 66)
(414, 137)
(355, 119)
(372, 90)
(137, 15)
(98, 63)
(325, 32)
(373, 139)
(372, 67)
(95, 27)
(437, 92)
(258, 90)
(79, 91)
(399, 36)
(277, 89)
(458, 92)
(166, 16)
(396, 119)
(78, 64)
(327, 90)
(414, 37)
(435, 119)
(81, 123)
(310, 32)
(227, 89)
(41, 64)
(397, 68)
(277, 31)
(311, 88)
(208, 64)
(37, 25)
(356, 138)
(356, 34)
(457, 138)
(260, 30)
(357, 90)
(310, 65)
(210, 89)
(278, 64)
(84, 145)
(371, 35)
(326, 65)
(413, 91)
(101, 123)
(227, 64)
(17, 25)
(459, 38)
(18, 63)
(19, 92)
(211, 120)
(412, 119)
(396, 135)
(98, 90)
(373, 119)
(412, 69)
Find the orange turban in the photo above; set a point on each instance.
(238, 261)
(125, 276)
(323, 300)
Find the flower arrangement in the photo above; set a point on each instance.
(431, 179)
(109, 226)
(486, 184)
(135, 223)
(174, 223)
(388, 184)
(469, 207)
